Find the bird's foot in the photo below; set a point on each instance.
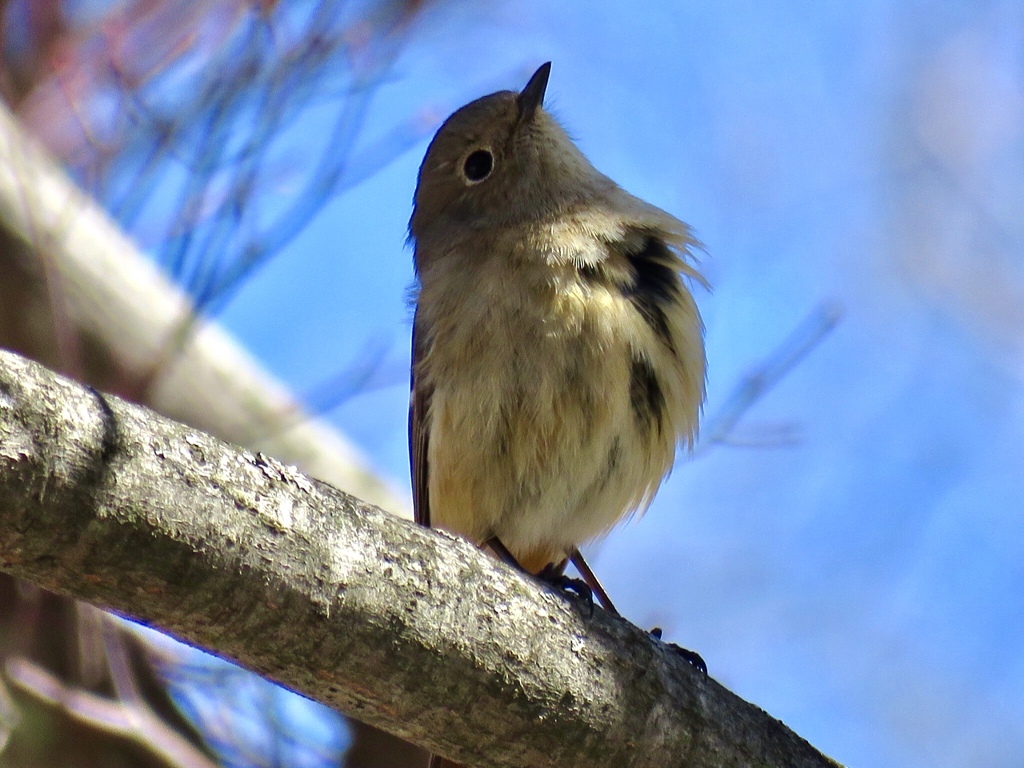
(692, 657)
(552, 576)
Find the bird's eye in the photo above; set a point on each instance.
(478, 165)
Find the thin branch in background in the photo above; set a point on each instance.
(136, 723)
(119, 666)
(330, 172)
(761, 436)
(205, 692)
(248, 720)
(180, 112)
(366, 373)
(43, 239)
(87, 642)
(124, 135)
(720, 429)
(10, 718)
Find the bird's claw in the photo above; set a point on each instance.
(553, 577)
(692, 657)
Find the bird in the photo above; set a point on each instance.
(558, 354)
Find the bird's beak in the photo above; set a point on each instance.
(532, 96)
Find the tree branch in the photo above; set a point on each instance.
(135, 722)
(410, 630)
(120, 306)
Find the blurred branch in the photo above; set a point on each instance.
(176, 114)
(411, 630)
(190, 112)
(188, 118)
(60, 644)
(123, 306)
(132, 720)
(720, 429)
(76, 293)
(367, 372)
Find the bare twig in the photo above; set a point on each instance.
(132, 721)
(719, 429)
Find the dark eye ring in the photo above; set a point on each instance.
(478, 165)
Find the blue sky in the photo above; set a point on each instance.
(854, 561)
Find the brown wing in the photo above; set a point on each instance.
(419, 432)
(419, 438)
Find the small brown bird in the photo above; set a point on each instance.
(558, 354)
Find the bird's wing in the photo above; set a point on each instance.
(419, 431)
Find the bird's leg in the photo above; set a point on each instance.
(591, 580)
(498, 548)
(552, 574)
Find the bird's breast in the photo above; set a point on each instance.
(533, 434)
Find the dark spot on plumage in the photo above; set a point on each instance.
(614, 455)
(612, 462)
(506, 417)
(645, 395)
(589, 272)
(577, 387)
(656, 285)
(503, 440)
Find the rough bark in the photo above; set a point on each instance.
(407, 629)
